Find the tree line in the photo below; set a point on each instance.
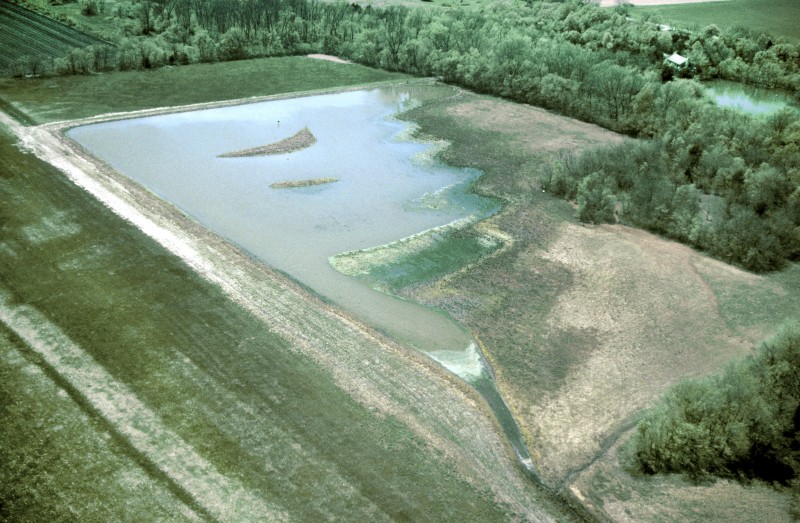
(741, 424)
(535, 51)
(720, 181)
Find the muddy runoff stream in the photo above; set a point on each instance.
(380, 187)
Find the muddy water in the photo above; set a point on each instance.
(383, 183)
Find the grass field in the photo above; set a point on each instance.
(778, 17)
(70, 97)
(25, 33)
(354, 439)
(52, 451)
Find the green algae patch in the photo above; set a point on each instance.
(302, 139)
(419, 258)
(302, 183)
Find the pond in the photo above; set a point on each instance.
(380, 186)
(748, 99)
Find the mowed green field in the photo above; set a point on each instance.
(778, 17)
(210, 373)
(26, 33)
(70, 97)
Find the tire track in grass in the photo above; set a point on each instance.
(193, 479)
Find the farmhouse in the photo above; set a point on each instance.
(677, 61)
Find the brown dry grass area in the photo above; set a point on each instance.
(530, 128)
(649, 318)
(609, 489)
(588, 330)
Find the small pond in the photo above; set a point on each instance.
(387, 187)
(748, 99)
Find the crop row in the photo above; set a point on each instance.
(26, 33)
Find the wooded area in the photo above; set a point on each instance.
(742, 424)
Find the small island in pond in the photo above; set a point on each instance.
(302, 183)
(300, 140)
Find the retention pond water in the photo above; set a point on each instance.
(379, 186)
(748, 99)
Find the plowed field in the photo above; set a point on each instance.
(25, 33)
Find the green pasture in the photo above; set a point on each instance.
(52, 455)
(71, 97)
(777, 17)
(771, 302)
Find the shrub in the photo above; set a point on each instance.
(744, 423)
(596, 200)
(90, 7)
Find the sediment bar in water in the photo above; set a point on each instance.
(300, 140)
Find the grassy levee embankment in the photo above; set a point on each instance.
(586, 326)
(166, 343)
(776, 17)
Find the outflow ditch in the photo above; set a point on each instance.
(472, 367)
